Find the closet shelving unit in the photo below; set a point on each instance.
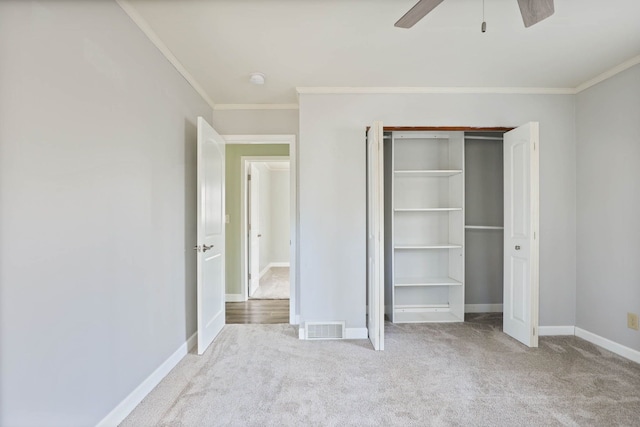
(426, 237)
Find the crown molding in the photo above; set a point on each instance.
(608, 74)
(146, 29)
(256, 107)
(435, 90)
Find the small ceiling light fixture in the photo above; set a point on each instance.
(256, 78)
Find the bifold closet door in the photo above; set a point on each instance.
(521, 212)
(375, 233)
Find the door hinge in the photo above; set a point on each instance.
(534, 331)
(248, 177)
(249, 276)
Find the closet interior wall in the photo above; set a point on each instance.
(484, 236)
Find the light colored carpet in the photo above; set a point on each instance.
(467, 374)
(274, 284)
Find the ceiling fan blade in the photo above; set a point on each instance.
(534, 11)
(417, 12)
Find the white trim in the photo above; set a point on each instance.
(278, 166)
(153, 37)
(483, 308)
(550, 331)
(317, 90)
(234, 298)
(124, 408)
(260, 139)
(356, 333)
(264, 271)
(279, 264)
(256, 107)
(272, 265)
(457, 90)
(608, 74)
(607, 344)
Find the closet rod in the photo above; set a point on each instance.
(483, 227)
(487, 138)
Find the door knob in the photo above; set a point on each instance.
(517, 247)
(203, 248)
(259, 235)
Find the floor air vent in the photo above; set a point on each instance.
(324, 330)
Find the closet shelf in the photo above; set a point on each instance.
(426, 313)
(428, 172)
(482, 227)
(437, 246)
(426, 209)
(430, 281)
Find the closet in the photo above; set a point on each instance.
(443, 224)
(452, 226)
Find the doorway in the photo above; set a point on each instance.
(269, 156)
(267, 210)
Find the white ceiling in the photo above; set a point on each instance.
(353, 43)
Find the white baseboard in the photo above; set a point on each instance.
(264, 271)
(234, 298)
(607, 344)
(271, 265)
(483, 308)
(124, 408)
(356, 333)
(550, 331)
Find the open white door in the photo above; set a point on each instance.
(375, 233)
(521, 213)
(210, 246)
(254, 229)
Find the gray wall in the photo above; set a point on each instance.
(484, 205)
(256, 122)
(608, 150)
(332, 190)
(97, 208)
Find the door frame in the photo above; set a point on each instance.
(245, 169)
(291, 141)
(535, 203)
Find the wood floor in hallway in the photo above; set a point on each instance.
(258, 311)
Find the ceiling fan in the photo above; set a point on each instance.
(532, 11)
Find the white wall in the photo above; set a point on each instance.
(274, 215)
(97, 208)
(280, 226)
(332, 190)
(608, 150)
(264, 228)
